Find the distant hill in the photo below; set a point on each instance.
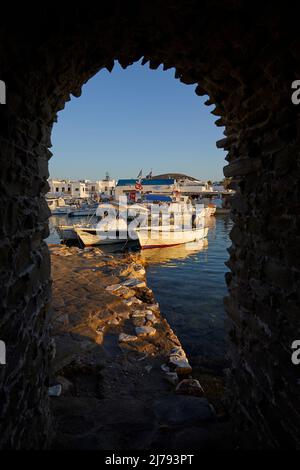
(177, 176)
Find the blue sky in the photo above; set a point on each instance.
(135, 119)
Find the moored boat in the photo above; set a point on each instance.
(106, 232)
(165, 236)
(90, 236)
(84, 211)
(58, 206)
(66, 232)
(107, 226)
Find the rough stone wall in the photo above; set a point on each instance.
(245, 60)
(25, 284)
(263, 305)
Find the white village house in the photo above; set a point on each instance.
(81, 189)
(67, 188)
(104, 187)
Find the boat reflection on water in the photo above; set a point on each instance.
(210, 222)
(163, 255)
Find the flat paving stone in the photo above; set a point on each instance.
(117, 397)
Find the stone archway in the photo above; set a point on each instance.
(246, 67)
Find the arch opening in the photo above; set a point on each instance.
(202, 338)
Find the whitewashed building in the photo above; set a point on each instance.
(81, 189)
(67, 188)
(105, 187)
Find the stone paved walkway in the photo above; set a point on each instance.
(110, 345)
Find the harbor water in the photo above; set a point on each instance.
(190, 287)
(189, 284)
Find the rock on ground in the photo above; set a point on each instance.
(107, 358)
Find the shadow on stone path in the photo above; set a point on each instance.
(115, 394)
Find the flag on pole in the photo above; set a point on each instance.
(138, 184)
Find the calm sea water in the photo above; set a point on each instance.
(190, 286)
(188, 282)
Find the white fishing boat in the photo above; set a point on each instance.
(84, 211)
(92, 237)
(111, 227)
(91, 233)
(104, 233)
(58, 206)
(165, 236)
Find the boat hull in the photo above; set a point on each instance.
(82, 213)
(66, 233)
(162, 239)
(91, 238)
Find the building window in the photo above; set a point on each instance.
(69, 189)
(63, 190)
(57, 189)
(77, 189)
(93, 188)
